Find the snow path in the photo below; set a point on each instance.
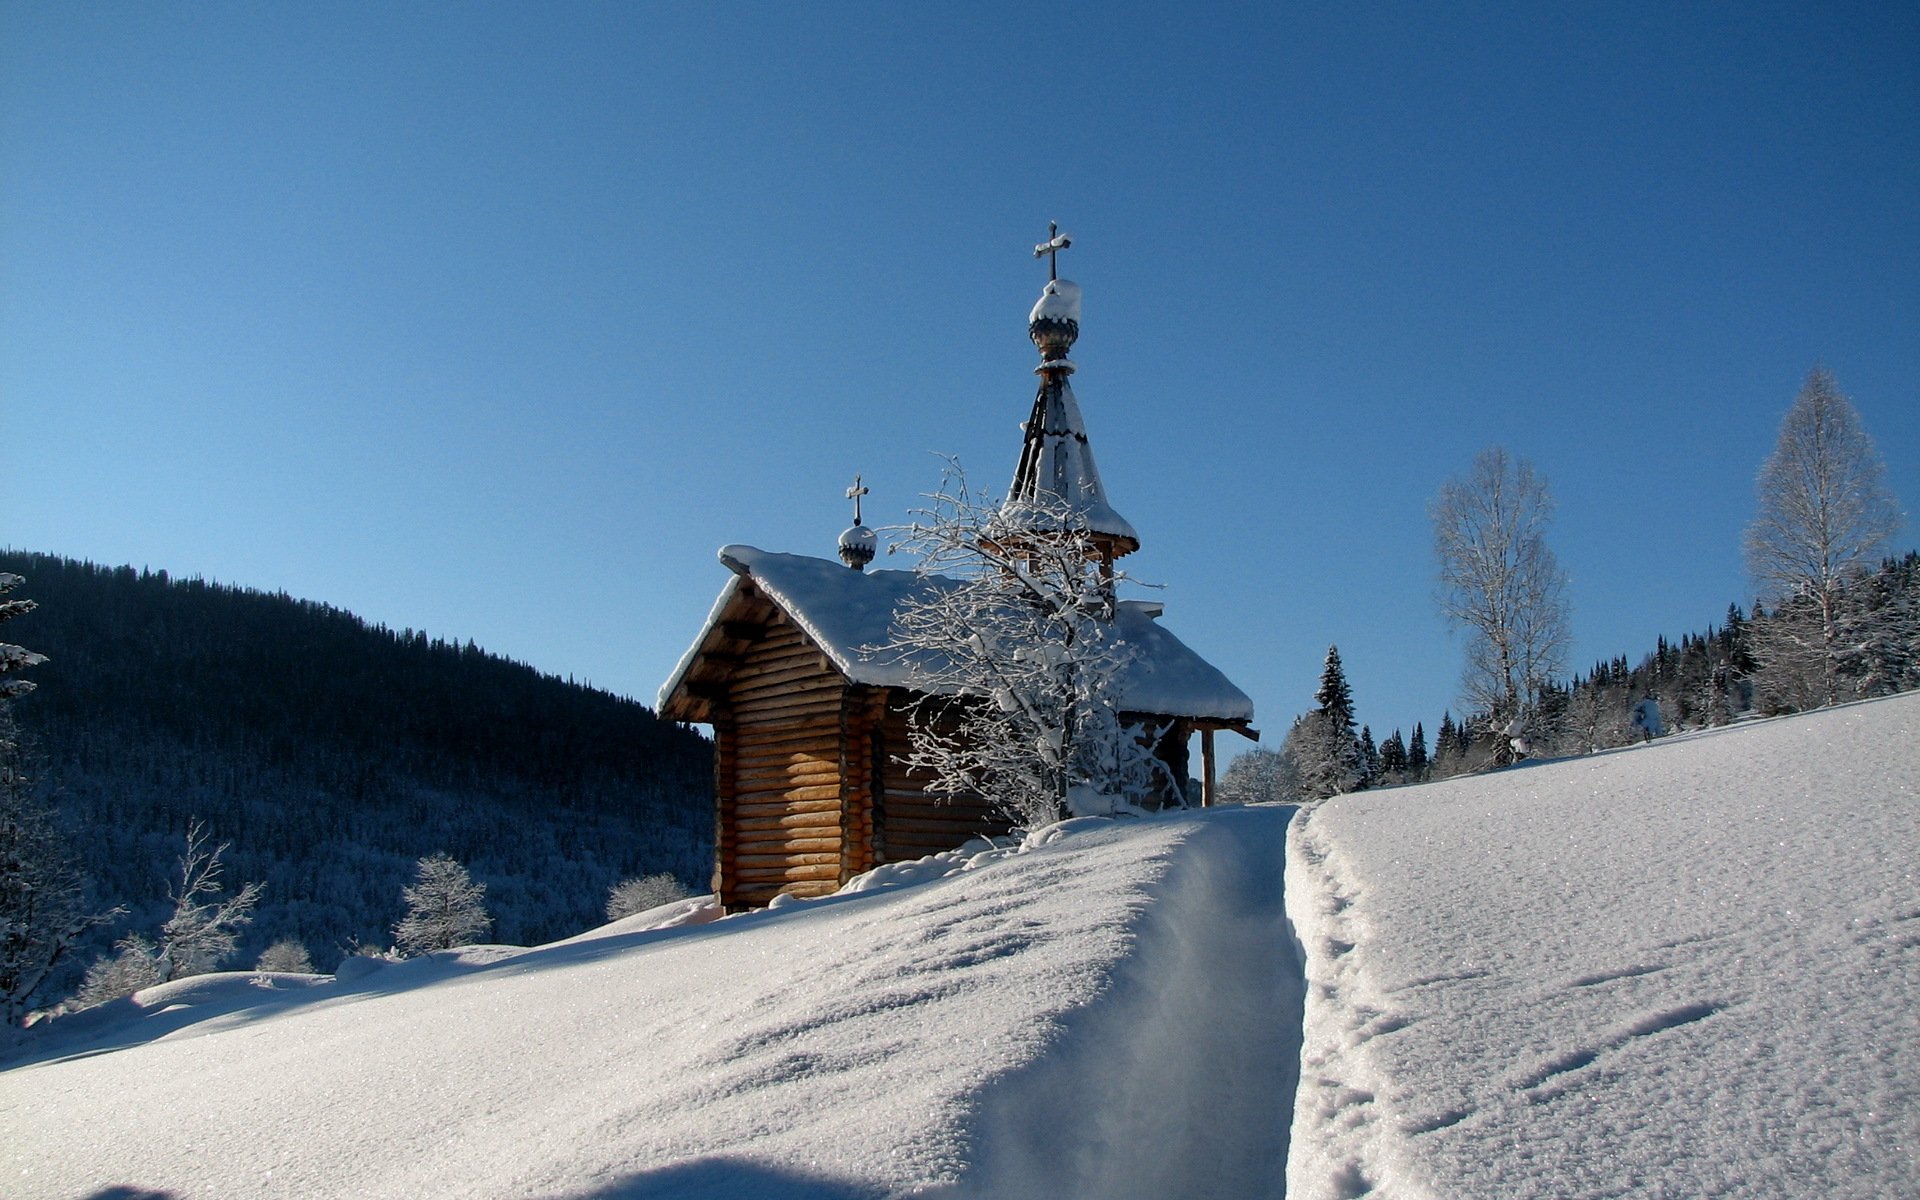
(1180, 1083)
(1683, 969)
(1109, 1015)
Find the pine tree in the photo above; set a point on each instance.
(1393, 760)
(42, 914)
(1417, 754)
(1322, 746)
(1369, 756)
(1334, 696)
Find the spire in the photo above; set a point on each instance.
(857, 542)
(1056, 461)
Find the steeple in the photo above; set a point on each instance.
(1056, 465)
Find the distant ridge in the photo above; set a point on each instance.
(333, 753)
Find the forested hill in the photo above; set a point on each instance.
(333, 754)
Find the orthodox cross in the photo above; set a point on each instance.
(854, 493)
(1051, 248)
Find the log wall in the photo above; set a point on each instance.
(912, 823)
(781, 813)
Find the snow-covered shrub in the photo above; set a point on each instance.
(134, 964)
(630, 896)
(287, 954)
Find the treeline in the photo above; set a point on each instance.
(333, 755)
(1764, 664)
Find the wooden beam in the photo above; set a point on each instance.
(1206, 768)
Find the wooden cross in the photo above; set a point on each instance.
(854, 493)
(1051, 248)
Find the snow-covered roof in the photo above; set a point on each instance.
(849, 615)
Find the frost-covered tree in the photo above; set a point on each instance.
(445, 908)
(287, 955)
(1260, 776)
(43, 910)
(1824, 513)
(15, 658)
(133, 965)
(630, 896)
(205, 924)
(42, 891)
(1500, 582)
(1015, 659)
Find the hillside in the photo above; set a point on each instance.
(332, 754)
(1683, 969)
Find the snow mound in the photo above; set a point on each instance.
(887, 1043)
(1686, 969)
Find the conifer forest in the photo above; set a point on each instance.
(333, 755)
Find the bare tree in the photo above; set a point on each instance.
(445, 908)
(1824, 514)
(1016, 659)
(1499, 580)
(1260, 776)
(205, 925)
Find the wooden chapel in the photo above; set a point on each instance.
(810, 728)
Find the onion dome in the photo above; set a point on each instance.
(857, 545)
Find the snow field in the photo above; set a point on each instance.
(1684, 969)
(860, 1046)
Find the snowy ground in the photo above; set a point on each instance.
(1684, 969)
(1687, 969)
(1073, 1021)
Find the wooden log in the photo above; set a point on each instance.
(758, 874)
(812, 686)
(829, 845)
(905, 826)
(746, 780)
(768, 731)
(782, 808)
(823, 708)
(782, 671)
(751, 857)
(768, 742)
(789, 752)
(795, 824)
(764, 794)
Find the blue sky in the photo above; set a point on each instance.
(497, 320)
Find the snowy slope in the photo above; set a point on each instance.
(1686, 969)
(1074, 1018)
(1679, 970)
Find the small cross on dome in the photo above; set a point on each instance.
(1051, 248)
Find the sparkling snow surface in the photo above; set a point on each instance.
(1678, 970)
(1071, 1021)
(1686, 969)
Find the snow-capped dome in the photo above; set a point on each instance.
(857, 546)
(1059, 302)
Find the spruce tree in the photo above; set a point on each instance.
(1335, 698)
(1417, 754)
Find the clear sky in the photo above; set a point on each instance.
(498, 320)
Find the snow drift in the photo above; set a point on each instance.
(1687, 969)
